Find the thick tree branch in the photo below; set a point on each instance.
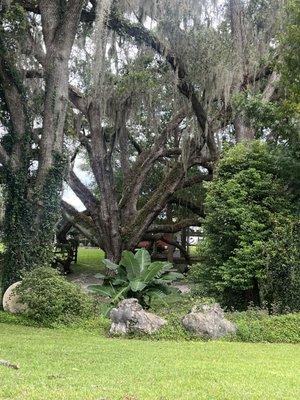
(135, 144)
(147, 214)
(194, 180)
(79, 220)
(142, 35)
(77, 99)
(14, 97)
(84, 194)
(196, 209)
(59, 29)
(142, 166)
(176, 227)
(271, 86)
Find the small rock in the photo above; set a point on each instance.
(182, 287)
(130, 317)
(208, 321)
(11, 301)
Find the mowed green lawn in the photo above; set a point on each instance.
(89, 260)
(72, 364)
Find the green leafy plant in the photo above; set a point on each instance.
(250, 249)
(51, 299)
(136, 276)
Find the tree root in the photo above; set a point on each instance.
(9, 364)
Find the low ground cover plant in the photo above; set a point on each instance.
(253, 325)
(259, 326)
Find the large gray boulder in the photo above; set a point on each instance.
(130, 317)
(11, 301)
(208, 321)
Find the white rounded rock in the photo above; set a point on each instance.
(11, 301)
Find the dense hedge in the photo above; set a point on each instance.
(250, 251)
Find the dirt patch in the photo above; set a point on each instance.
(84, 280)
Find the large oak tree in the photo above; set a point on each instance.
(211, 58)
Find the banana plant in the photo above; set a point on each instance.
(136, 276)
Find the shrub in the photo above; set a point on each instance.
(52, 299)
(250, 250)
(258, 326)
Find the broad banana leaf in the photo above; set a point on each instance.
(131, 264)
(157, 291)
(99, 276)
(107, 291)
(153, 270)
(120, 294)
(171, 276)
(166, 266)
(110, 265)
(144, 259)
(137, 285)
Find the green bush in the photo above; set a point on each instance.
(258, 326)
(179, 304)
(173, 330)
(250, 251)
(52, 299)
(251, 327)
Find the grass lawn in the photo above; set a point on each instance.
(88, 260)
(74, 364)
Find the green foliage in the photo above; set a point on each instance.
(279, 118)
(16, 319)
(136, 276)
(247, 207)
(31, 211)
(290, 44)
(252, 326)
(173, 330)
(51, 299)
(282, 258)
(266, 116)
(30, 221)
(258, 326)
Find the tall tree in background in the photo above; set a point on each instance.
(190, 42)
(206, 90)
